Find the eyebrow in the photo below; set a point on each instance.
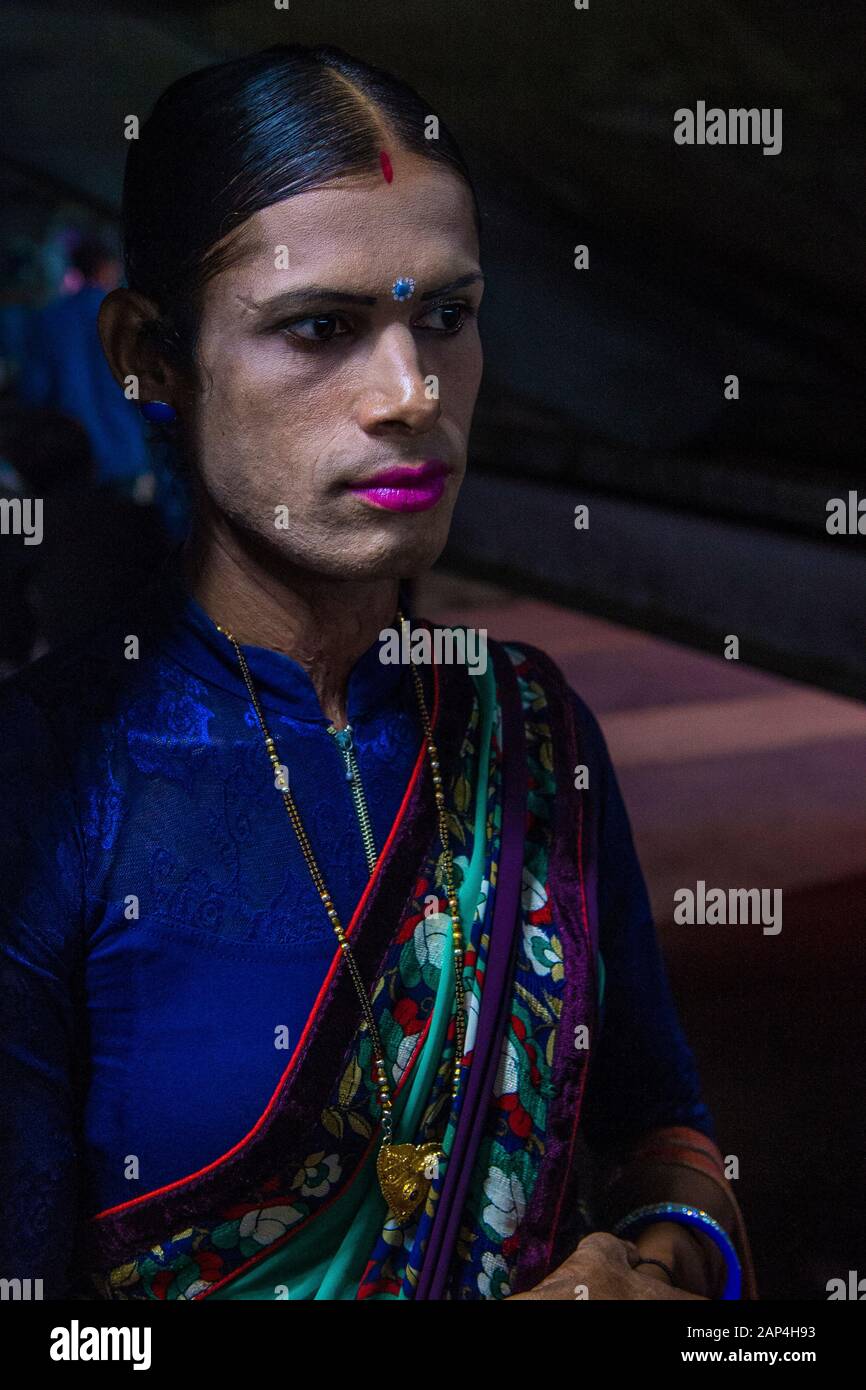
(294, 297)
(469, 279)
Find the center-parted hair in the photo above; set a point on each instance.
(230, 139)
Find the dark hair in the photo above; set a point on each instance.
(230, 139)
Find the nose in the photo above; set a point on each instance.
(395, 391)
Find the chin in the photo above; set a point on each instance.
(393, 558)
(415, 552)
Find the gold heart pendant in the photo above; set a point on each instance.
(405, 1173)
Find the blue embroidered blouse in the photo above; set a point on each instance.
(161, 939)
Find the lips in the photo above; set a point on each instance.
(405, 488)
(404, 475)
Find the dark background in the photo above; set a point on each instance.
(605, 387)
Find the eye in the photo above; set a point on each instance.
(452, 316)
(317, 328)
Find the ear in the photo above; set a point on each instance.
(125, 320)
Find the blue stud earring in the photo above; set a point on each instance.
(404, 288)
(158, 412)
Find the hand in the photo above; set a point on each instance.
(605, 1266)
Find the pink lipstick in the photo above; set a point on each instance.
(405, 489)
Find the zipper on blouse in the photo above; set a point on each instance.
(353, 776)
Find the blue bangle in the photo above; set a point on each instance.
(699, 1220)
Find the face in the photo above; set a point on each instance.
(314, 379)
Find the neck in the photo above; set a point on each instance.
(323, 623)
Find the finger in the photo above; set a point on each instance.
(608, 1247)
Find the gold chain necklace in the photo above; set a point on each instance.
(405, 1171)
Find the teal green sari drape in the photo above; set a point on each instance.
(327, 1257)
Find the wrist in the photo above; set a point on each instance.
(697, 1266)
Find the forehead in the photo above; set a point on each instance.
(420, 222)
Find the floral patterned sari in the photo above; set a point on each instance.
(294, 1210)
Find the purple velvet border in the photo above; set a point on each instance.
(544, 1230)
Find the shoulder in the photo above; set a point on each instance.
(543, 678)
(82, 684)
(58, 716)
(42, 849)
(58, 683)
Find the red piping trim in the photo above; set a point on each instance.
(296, 1230)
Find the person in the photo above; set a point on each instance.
(64, 369)
(330, 964)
